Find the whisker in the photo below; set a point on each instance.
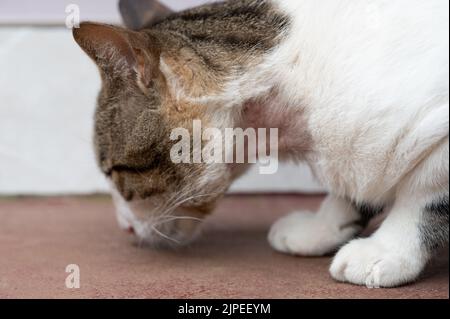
(188, 199)
(173, 218)
(164, 235)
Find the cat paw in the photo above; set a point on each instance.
(368, 262)
(305, 234)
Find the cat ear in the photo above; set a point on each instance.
(118, 51)
(108, 46)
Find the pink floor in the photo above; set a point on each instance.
(40, 237)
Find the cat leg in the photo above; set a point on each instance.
(317, 234)
(398, 252)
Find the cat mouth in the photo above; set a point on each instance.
(166, 232)
(155, 228)
(178, 232)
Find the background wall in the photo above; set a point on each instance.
(48, 89)
(53, 11)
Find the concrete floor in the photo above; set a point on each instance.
(40, 237)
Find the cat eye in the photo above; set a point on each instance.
(108, 172)
(119, 168)
(124, 168)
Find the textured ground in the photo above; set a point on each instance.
(40, 237)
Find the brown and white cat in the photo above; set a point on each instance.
(358, 89)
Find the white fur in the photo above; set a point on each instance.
(316, 234)
(124, 214)
(368, 91)
(392, 256)
(372, 77)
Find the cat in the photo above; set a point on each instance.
(358, 90)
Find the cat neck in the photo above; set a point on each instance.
(271, 111)
(256, 100)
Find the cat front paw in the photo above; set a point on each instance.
(375, 264)
(305, 234)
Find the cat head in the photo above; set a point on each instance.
(138, 107)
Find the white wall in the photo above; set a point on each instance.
(53, 11)
(48, 89)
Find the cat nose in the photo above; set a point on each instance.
(130, 230)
